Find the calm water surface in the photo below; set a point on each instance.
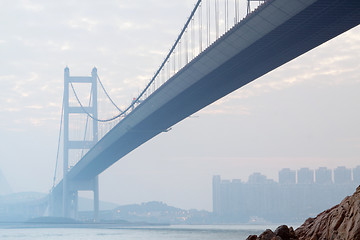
(193, 232)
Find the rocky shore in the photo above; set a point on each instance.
(342, 222)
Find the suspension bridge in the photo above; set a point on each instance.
(224, 45)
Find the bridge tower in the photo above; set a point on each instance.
(72, 186)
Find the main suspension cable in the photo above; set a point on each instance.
(83, 108)
(102, 86)
(122, 113)
(58, 148)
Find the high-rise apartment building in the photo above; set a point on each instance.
(356, 175)
(342, 175)
(323, 176)
(257, 178)
(287, 176)
(305, 176)
(216, 193)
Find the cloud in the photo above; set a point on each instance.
(65, 47)
(30, 6)
(38, 107)
(10, 109)
(116, 90)
(83, 23)
(12, 129)
(124, 25)
(25, 87)
(226, 110)
(333, 60)
(41, 121)
(53, 104)
(138, 82)
(158, 52)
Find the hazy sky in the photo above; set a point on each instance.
(304, 114)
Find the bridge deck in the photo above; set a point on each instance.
(276, 33)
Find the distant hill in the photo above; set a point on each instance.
(19, 207)
(27, 205)
(159, 212)
(4, 185)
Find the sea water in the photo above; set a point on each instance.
(188, 232)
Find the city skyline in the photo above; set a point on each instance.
(321, 175)
(305, 175)
(297, 195)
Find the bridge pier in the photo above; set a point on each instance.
(85, 185)
(56, 199)
(65, 203)
(55, 203)
(96, 199)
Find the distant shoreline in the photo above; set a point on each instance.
(4, 225)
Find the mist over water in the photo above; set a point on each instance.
(194, 232)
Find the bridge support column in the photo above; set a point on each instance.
(96, 199)
(55, 203)
(71, 187)
(65, 193)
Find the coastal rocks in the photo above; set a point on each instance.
(281, 233)
(285, 233)
(342, 222)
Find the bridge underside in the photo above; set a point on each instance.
(318, 23)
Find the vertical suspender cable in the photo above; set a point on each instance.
(187, 46)
(192, 41)
(208, 22)
(162, 77)
(248, 7)
(227, 12)
(179, 55)
(155, 84)
(86, 127)
(168, 69)
(192, 38)
(174, 60)
(200, 28)
(238, 12)
(217, 18)
(235, 11)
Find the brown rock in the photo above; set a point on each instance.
(292, 234)
(267, 235)
(252, 237)
(283, 232)
(341, 222)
